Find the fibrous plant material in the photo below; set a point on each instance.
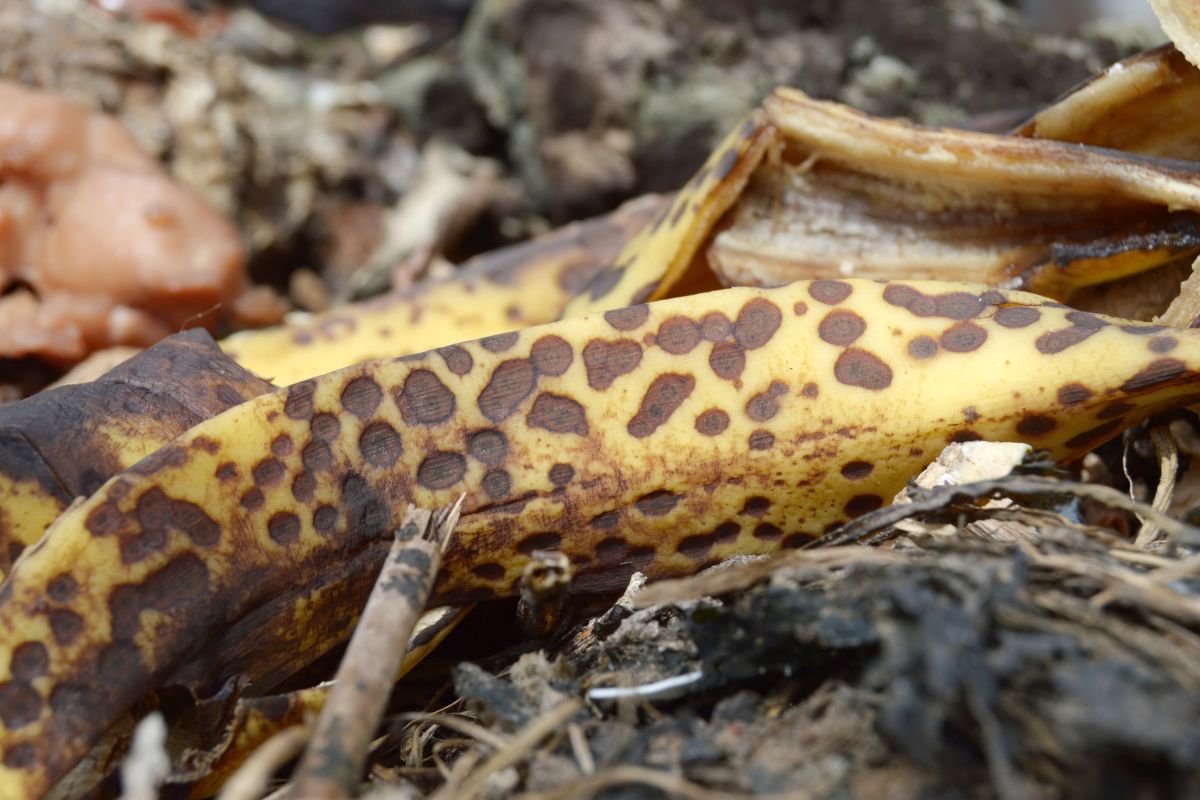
(859, 196)
(939, 664)
(255, 720)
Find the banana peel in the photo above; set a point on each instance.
(65, 443)
(515, 287)
(302, 608)
(770, 415)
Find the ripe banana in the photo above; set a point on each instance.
(656, 437)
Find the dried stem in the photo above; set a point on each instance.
(333, 762)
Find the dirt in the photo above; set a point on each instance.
(956, 668)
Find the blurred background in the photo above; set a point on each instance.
(1071, 16)
(361, 145)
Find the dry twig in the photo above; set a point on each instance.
(333, 761)
(251, 779)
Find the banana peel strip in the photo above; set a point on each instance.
(861, 196)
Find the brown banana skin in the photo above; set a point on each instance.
(657, 438)
(65, 443)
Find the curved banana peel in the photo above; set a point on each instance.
(661, 260)
(601, 263)
(64, 443)
(515, 287)
(658, 438)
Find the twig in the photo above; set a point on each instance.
(1134, 588)
(251, 779)
(1168, 465)
(463, 726)
(1011, 486)
(333, 762)
(732, 579)
(469, 786)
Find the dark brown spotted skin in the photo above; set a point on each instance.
(64, 443)
(660, 465)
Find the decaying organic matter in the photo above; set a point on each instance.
(654, 427)
(768, 175)
(559, 436)
(872, 673)
(89, 271)
(334, 758)
(882, 199)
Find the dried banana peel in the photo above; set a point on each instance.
(65, 443)
(862, 196)
(658, 438)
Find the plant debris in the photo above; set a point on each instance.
(1015, 629)
(1028, 668)
(338, 745)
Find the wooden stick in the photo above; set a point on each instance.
(333, 762)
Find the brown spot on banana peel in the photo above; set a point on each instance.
(165, 616)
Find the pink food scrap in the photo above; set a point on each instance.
(99, 246)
